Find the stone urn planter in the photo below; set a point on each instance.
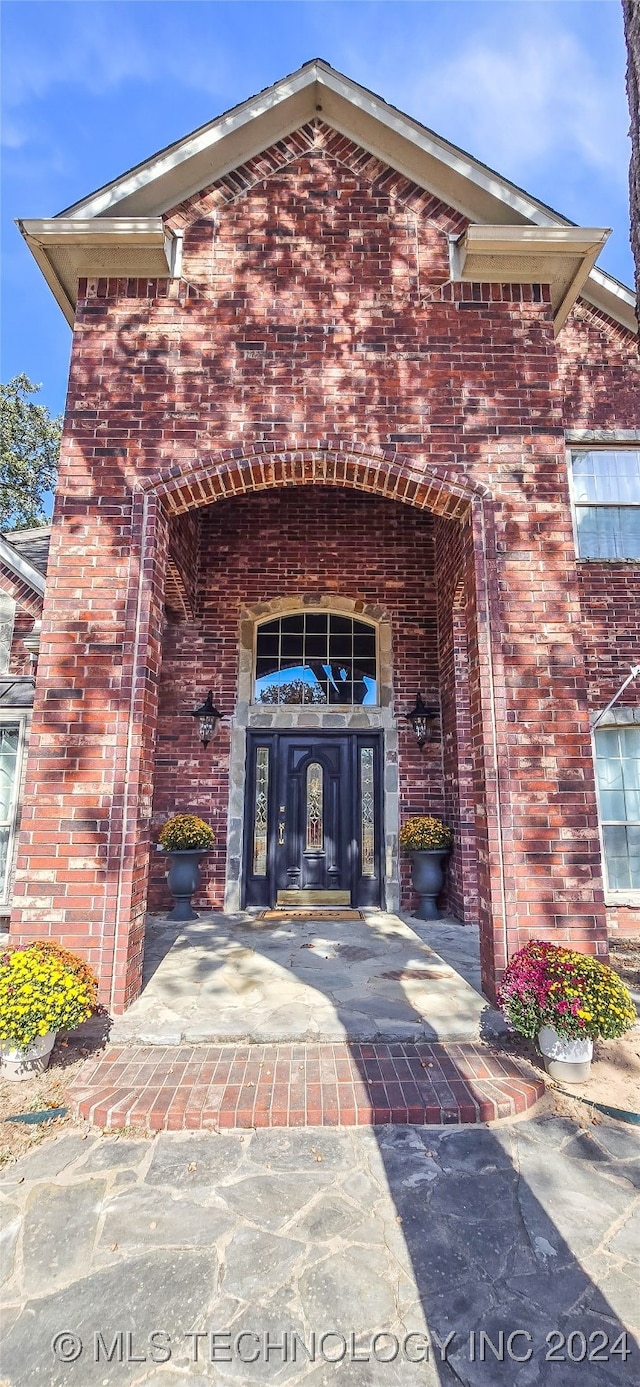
(23, 1062)
(427, 876)
(568, 1061)
(183, 880)
(185, 838)
(428, 842)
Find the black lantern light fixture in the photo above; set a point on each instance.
(208, 718)
(422, 719)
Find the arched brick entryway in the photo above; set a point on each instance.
(95, 737)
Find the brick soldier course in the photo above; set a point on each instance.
(307, 405)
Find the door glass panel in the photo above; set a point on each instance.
(260, 815)
(367, 811)
(315, 827)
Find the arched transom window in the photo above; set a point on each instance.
(316, 657)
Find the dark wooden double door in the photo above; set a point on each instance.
(313, 819)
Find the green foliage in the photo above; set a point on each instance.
(30, 444)
(425, 833)
(185, 833)
(292, 691)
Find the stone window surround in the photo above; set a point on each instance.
(285, 717)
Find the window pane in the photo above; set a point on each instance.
(630, 741)
(618, 762)
(606, 532)
(618, 873)
(317, 622)
(631, 777)
(609, 774)
(4, 860)
(607, 475)
(365, 645)
(316, 647)
(612, 804)
(367, 811)
(260, 816)
(608, 742)
(9, 736)
(615, 840)
(610, 529)
(267, 645)
(315, 828)
(314, 651)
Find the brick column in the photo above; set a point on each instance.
(84, 844)
(539, 872)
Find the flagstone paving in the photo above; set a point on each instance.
(123, 1256)
(242, 978)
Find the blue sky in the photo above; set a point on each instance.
(536, 90)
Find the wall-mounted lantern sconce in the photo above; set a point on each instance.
(422, 719)
(208, 718)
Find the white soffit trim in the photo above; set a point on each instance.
(317, 90)
(21, 567)
(67, 249)
(559, 256)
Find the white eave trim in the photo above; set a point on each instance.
(399, 140)
(560, 255)
(612, 298)
(21, 567)
(51, 239)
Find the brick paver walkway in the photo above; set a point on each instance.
(337, 1085)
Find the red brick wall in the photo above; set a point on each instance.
(315, 335)
(306, 541)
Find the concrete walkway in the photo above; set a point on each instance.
(123, 1257)
(242, 978)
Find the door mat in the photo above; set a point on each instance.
(340, 912)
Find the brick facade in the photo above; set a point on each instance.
(315, 342)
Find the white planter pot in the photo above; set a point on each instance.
(24, 1063)
(568, 1061)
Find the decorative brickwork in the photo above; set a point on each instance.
(213, 1087)
(315, 341)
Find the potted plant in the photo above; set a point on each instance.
(186, 839)
(567, 1000)
(428, 841)
(43, 989)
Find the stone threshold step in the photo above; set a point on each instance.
(189, 1088)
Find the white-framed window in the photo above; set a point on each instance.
(618, 779)
(12, 741)
(605, 489)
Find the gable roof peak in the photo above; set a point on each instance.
(138, 200)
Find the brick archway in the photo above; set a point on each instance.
(109, 926)
(445, 490)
